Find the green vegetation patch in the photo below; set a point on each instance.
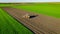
(8, 25)
(50, 9)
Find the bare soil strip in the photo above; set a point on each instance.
(41, 24)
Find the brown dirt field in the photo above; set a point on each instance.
(42, 24)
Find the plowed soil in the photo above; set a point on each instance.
(41, 24)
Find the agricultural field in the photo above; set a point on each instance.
(8, 25)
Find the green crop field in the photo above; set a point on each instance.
(50, 9)
(9, 25)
